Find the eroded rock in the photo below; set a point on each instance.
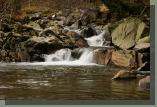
(123, 58)
(128, 33)
(103, 56)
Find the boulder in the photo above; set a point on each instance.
(76, 39)
(124, 58)
(35, 47)
(124, 74)
(44, 44)
(88, 32)
(128, 33)
(145, 83)
(103, 56)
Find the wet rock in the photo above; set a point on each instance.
(145, 83)
(123, 58)
(124, 74)
(103, 56)
(88, 32)
(128, 33)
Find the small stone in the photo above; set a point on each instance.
(145, 83)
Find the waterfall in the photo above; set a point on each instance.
(86, 55)
(60, 55)
(97, 40)
(79, 56)
(64, 56)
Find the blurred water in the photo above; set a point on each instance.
(19, 81)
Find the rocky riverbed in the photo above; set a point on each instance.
(123, 43)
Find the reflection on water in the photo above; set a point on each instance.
(65, 82)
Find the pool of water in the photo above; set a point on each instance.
(92, 82)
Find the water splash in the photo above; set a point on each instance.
(64, 56)
(60, 55)
(97, 40)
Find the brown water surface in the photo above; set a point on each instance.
(65, 82)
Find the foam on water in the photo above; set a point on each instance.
(64, 57)
(97, 40)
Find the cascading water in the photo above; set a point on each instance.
(60, 55)
(97, 40)
(64, 56)
(84, 56)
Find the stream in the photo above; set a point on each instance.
(91, 82)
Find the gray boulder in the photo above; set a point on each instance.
(128, 33)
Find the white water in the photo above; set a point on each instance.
(60, 55)
(97, 40)
(64, 57)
